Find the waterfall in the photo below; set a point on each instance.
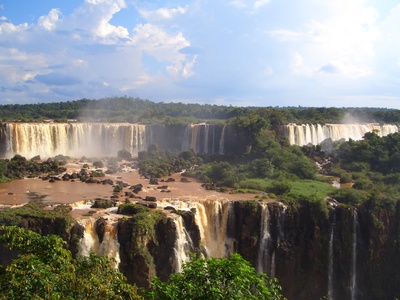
(206, 133)
(330, 259)
(182, 243)
(75, 139)
(305, 134)
(354, 258)
(222, 141)
(90, 241)
(202, 138)
(281, 221)
(281, 235)
(187, 138)
(263, 257)
(212, 217)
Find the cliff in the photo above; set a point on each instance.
(353, 253)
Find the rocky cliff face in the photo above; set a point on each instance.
(351, 253)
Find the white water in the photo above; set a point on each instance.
(202, 138)
(75, 139)
(263, 257)
(354, 251)
(281, 221)
(222, 142)
(182, 243)
(305, 134)
(90, 242)
(212, 218)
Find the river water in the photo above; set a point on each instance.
(22, 191)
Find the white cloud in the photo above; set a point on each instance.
(346, 37)
(49, 22)
(241, 51)
(154, 40)
(94, 17)
(260, 3)
(250, 5)
(162, 13)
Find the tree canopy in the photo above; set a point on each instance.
(217, 278)
(44, 269)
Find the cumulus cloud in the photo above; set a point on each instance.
(49, 22)
(163, 13)
(86, 49)
(242, 51)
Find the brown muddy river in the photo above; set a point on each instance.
(67, 192)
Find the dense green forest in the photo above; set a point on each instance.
(124, 109)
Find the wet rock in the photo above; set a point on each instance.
(153, 181)
(150, 198)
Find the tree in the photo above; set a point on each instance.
(44, 269)
(124, 154)
(217, 278)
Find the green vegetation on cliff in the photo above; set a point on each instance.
(33, 216)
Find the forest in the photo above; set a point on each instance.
(134, 110)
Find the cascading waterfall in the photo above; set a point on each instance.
(90, 242)
(206, 134)
(203, 138)
(263, 257)
(212, 217)
(281, 234)
(315, 134)
(222, 142)
(354, 258)
(75, 139)
(182, 245)
(281, 221)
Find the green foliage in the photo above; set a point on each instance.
(345, 177)
(279, 187)
(224, 174)
(304, 189)
(34, 214)
(373, 153)
(262, 167)
(98, 164)
(46, 270)
(102, 203)
(131, 209)
(125, 109)
(318, 205)
(255, 183)
(156, 163)
(124, 154)
(19, 167)
(349, 196)
(217, 278)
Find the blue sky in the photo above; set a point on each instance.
(230, 52)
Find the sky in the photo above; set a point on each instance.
(310, 53)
